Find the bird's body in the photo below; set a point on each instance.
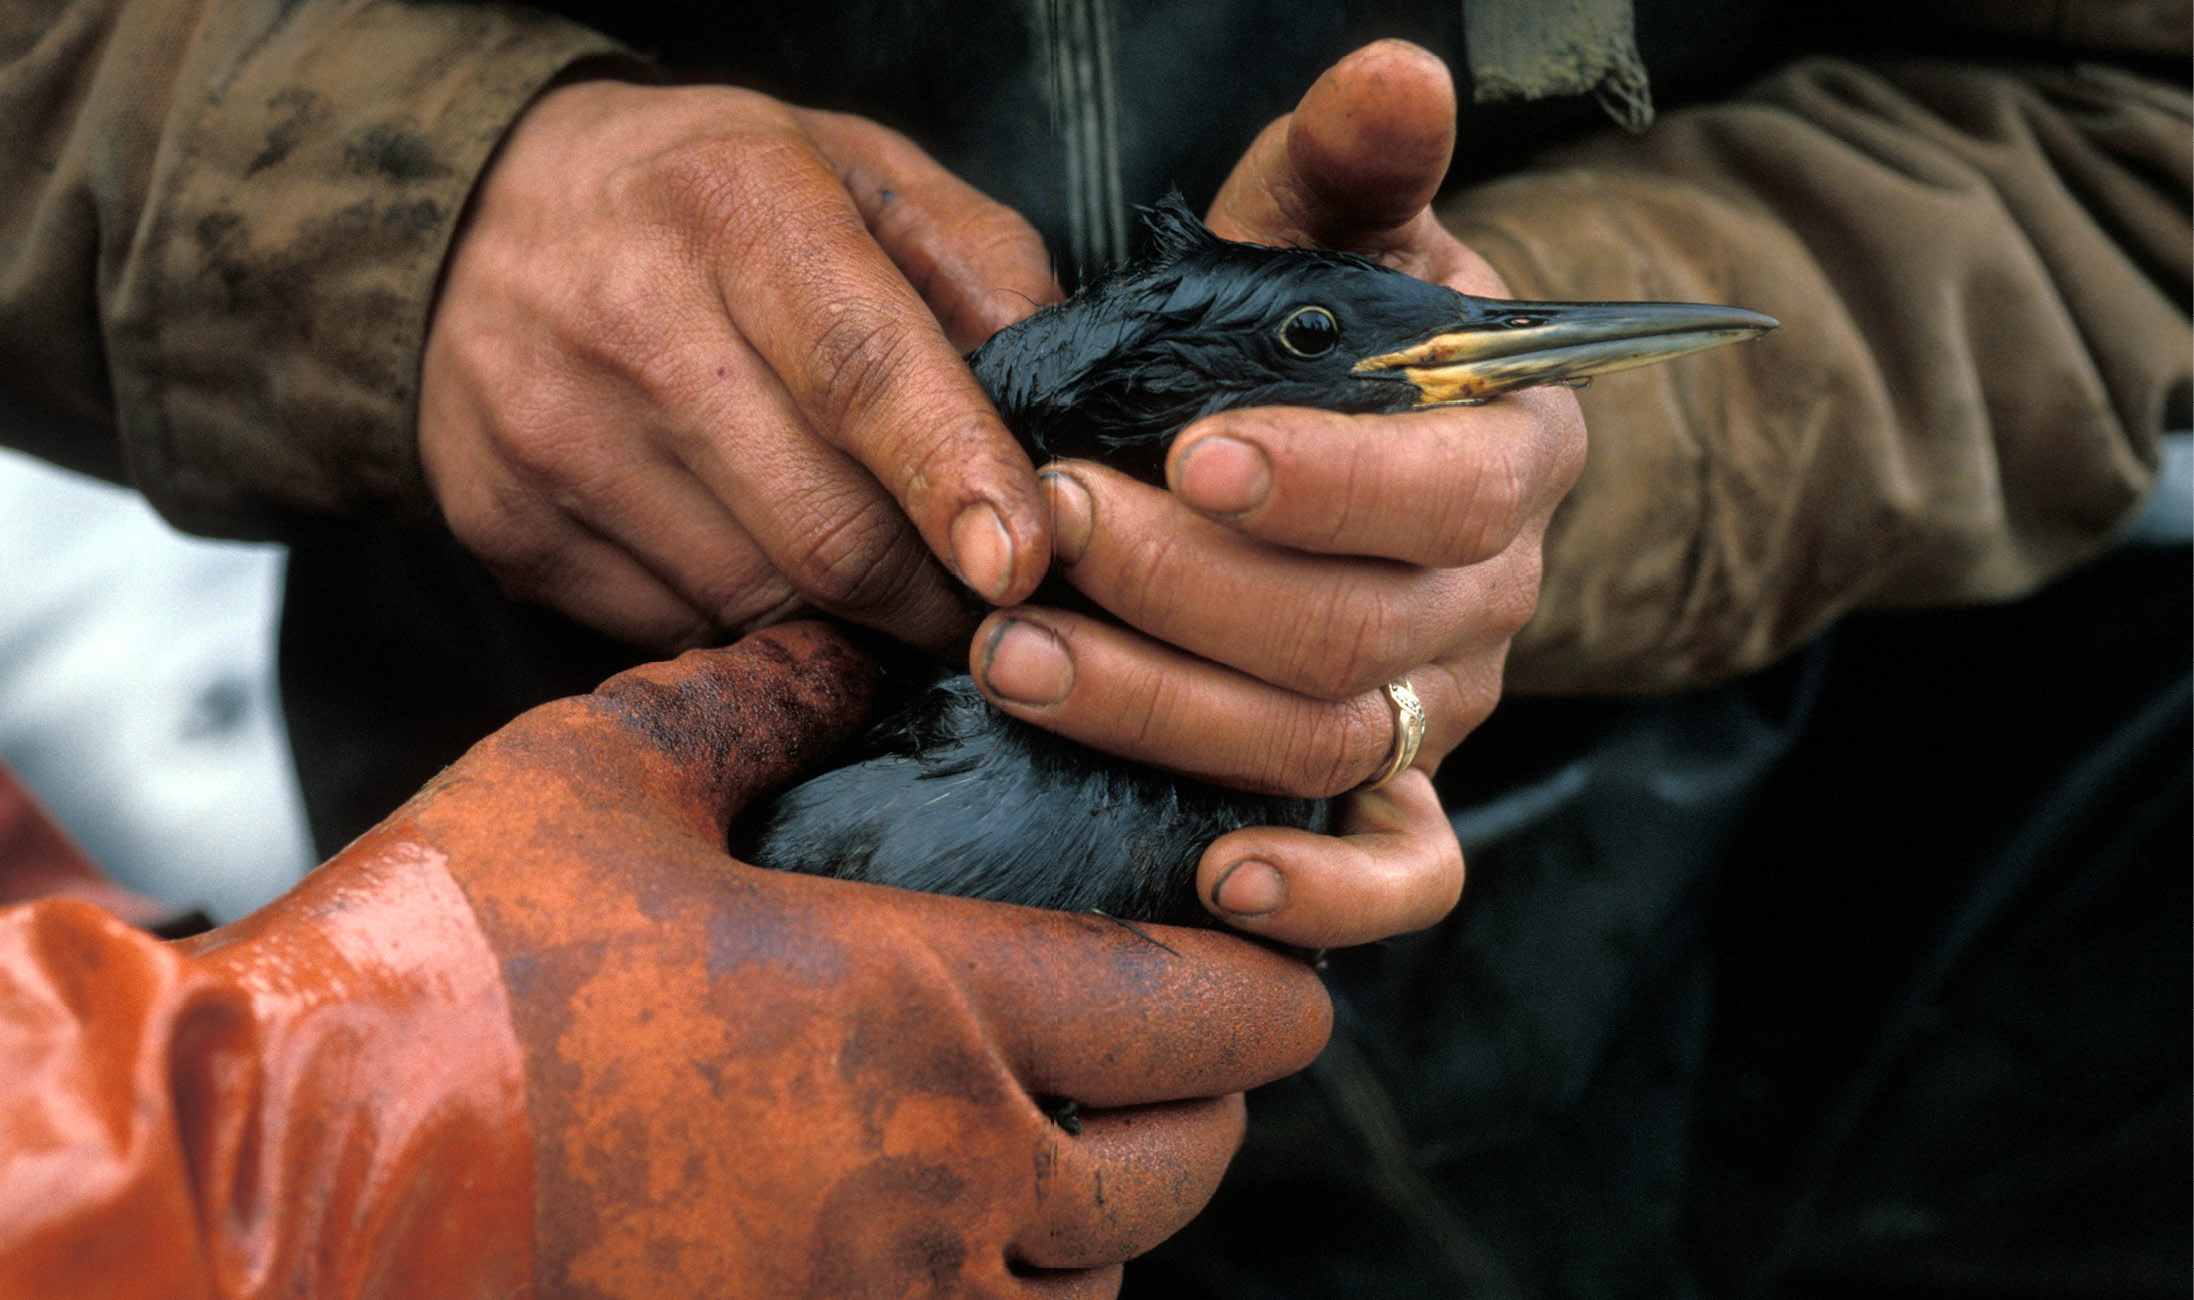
(949, 795)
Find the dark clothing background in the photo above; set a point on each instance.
(1865, 976)
(1196, 82)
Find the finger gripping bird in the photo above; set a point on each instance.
(946, 794)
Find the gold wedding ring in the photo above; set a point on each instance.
(1409, 733)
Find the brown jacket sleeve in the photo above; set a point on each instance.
(1983, 280)
(220, 227)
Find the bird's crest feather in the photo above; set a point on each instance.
(1175, 229)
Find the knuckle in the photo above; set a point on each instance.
(568, 464)
(1471, 518)
(1501, 596)
(1451, 867)
(994, 230)
(1335, 749)
(1517, 599)
(857, 360)
(623, 296)
(1572, 444)
(731, 581)
(490, 367)
(669, 372)
(950, 463)
(1359, 501)
(1142, 705)
(524, 568)
(736, 605)
(692, 176)
(907, 227)
(500, 521)
(1368, 640)
(1155, 578)
(637, 334)
(514, 534)
(719, 176)
(481, 530)
(1490, 508)
(853, 561)
(847, 134)
(1473, 689)
(967, 227)
(1558, 433)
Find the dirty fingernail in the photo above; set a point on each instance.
(1073, 515)
(1224, 476)
(982, 550)
(1250, 888)
(1027, 665)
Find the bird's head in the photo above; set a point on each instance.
(1208, 324)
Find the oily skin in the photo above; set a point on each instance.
(695, 366)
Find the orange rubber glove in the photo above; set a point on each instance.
(537, 1030)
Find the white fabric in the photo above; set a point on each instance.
(137, 691)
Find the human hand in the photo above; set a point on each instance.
(1304, 559)
(696, 362)
(745, 1082)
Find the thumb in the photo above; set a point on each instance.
(1357, 161)
(738, 720)
(688, 741)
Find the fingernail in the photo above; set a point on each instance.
(1224, 476)
(1027, 665)
(982, 550)
(1250, 888)
(1073, 515)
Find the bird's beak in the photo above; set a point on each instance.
(1527, 344)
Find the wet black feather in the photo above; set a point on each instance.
(945, 793)
(1114, 372)
(949, 795)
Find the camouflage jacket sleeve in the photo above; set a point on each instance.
(220, 227)
(1983, 277)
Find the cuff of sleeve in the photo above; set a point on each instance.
(326, 1098)
(287, 265)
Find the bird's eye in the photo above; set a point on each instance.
(1310, 332)
(1523, 322)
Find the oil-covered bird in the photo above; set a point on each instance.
(945, 793)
